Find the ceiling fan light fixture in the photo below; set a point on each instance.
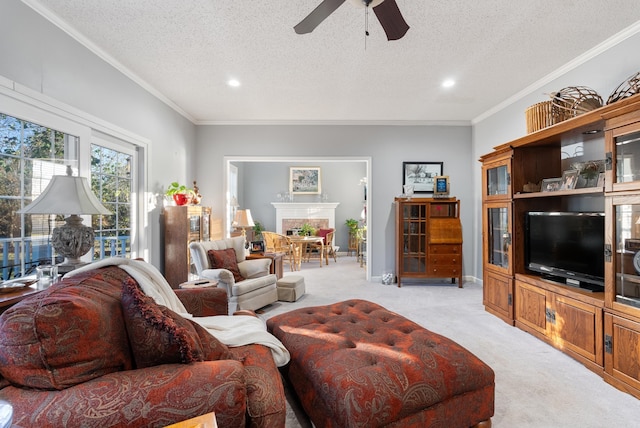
(366, 3)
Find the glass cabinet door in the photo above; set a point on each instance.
(497, 237)
(627, 256)
(624, 158)
(497, 180)
(414, 232)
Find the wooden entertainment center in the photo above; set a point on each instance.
(599, 329)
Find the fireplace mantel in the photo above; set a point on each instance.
(305, 210)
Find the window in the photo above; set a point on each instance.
(30, 154)
(39, 137)
(112, 182)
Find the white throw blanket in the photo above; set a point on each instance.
(235, 330)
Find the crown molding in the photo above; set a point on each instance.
(64, 26)
(571, 65)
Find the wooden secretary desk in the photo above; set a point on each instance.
(428, 238)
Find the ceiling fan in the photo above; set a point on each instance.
(386, 11)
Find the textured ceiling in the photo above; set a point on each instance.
(185, 51)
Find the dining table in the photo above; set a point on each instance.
(301, 242)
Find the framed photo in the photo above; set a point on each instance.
(551, 184)
(257, 247)
(304, 180)
(569, 179)
(420, 175)
(441, 186)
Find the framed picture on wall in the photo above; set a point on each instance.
(421, 175)
(304, 180)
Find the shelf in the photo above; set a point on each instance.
(595, 191)
(595, 298)
(628, 277)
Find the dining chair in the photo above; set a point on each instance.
(277, 243)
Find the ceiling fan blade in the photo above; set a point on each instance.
(391, 19)
(319, 14)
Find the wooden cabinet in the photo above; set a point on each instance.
(563, 317)
(622, 353)
(599, 329)
(181, 226)
(622, 318)
(497, 296)
(428, 238)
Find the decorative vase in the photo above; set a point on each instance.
(180, 199)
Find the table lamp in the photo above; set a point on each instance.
(243, 220)
(72, 196)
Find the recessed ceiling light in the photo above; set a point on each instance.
(233, 83)
(448, 83)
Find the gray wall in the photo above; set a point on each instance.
(387, 146)
(40, 56)
(262, 181)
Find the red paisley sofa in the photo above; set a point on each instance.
(93, 351)
(356, 364)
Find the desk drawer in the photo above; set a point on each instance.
(444, 259)
(445, 249)
(444, 271)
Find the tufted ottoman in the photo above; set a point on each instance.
(356, 364)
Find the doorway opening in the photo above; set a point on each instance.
(237, 187)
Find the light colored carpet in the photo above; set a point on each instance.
(536, 385)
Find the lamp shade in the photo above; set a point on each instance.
(243, 219)
(66, 195)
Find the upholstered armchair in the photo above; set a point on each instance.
(248, 283)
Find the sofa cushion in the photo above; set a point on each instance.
(225, 259)
(160, 336)
(68, 334)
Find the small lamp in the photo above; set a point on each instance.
(72, 196)
(243, 220)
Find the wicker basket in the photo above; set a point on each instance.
(576, 100)
(629, 87)
(543, 115)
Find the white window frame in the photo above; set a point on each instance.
(25, 103)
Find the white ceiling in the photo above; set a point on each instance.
(185, 51)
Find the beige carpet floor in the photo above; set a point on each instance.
(536, 385)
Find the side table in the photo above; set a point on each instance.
(199, 283)
(9, 299)
(277, 262)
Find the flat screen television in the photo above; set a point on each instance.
(566, 247)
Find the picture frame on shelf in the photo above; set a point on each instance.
(257, 247)
(305, 180)
(421, 175)
(569, 179)
(551, 184)
(441, 186)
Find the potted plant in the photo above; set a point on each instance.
(257, 230)
(352, 225)
(180, 193)
(307, 230)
